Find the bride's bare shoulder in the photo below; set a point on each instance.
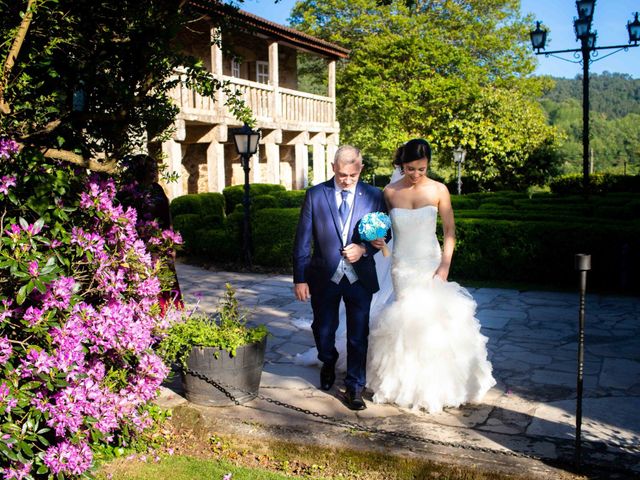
(394, 186)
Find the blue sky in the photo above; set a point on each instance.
(610, 20)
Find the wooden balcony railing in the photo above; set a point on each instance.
(281, 107)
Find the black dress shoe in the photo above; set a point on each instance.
(327, 376)
(353, 400)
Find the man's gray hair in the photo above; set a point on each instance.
(347, 154)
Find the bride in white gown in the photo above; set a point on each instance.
(425, 346)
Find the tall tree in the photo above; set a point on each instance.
(87, 79)
(455, 72)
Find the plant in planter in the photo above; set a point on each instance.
(220, 347)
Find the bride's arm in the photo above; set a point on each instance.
(449, 229)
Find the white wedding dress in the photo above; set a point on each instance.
(425, 347)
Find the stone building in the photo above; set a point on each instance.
(299, 129)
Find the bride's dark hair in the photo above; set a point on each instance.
(415, 149)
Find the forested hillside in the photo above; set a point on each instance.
(615, 122)
(613, 94)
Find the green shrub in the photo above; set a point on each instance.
(212, 221)
(613, 212)
(233, 195)
(290, 198)
(598, 183)
(187, 224)
(634, 205)
(212, 203)
(263, 201)
(497, 199)
(183, 204)
(463, 202)
(218, 244)
(274, 231)
(496, 206)
(544, 252)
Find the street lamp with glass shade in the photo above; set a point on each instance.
(246, 141)
(587, 38)
(634, 31)
(458, 157)
(538, 37)
(585, 8)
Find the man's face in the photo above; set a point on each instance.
(347, 174)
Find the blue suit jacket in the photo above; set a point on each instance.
(316, 250)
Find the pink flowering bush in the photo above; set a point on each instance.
(79, 317)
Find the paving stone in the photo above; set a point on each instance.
(613, 420)
(619, 373)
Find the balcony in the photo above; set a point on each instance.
(273, 107)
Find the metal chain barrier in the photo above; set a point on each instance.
(225, 389)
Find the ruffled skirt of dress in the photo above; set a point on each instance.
(426, 350)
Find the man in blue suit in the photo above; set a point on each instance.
(332, 263)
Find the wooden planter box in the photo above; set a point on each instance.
(242, 371)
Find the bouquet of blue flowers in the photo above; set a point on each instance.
(375, 225)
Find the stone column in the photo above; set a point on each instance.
(318, 142)
(215, 159)
(271, 141)
(319, 163)
(216, 65)
(215, 167)
(332, 147)
(172, 151)
(331, 83)
(274, 81)
(301, 171)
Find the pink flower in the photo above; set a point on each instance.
(8, 148)
(6, 182)
(6, 312)
(18, 473)
(14, 231)
(59, 293)
(33, 315)
(6, 398)
(33, 268)
(68, 458)
(5, 349)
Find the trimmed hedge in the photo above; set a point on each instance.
(233, 195)
(529, 240)
(199, 203)
(598, 183)
(263, 201)
(218, 244)
(187, 224)
(186, 204)
(460, 202)
(544, 252)
(290, 198)
(274, 231)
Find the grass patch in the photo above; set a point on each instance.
(250, 458)
(183, 468)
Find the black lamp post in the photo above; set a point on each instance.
(246, 141)
(582, 26)
(458, 157)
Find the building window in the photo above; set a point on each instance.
(262, 72)
(235, 68)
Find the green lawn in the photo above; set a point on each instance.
(183, 468)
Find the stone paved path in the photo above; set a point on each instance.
(533, 348)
